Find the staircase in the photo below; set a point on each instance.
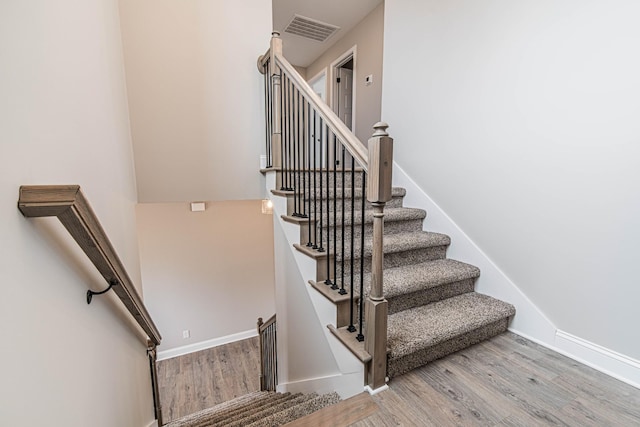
(258, 409)
(400, 303)
(433, 309)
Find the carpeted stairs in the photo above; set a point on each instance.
(433, 309)
(258, 409)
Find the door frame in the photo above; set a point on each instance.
(345, 57)
(313, 80)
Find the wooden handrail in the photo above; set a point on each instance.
(68, 204)
(337, 126)
(264, 325)
(262, 60)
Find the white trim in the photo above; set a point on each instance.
(203, 345)
(322, 73)
(331, 77)
(346, 385)
(612, 363)
(153, 424)
(529, 321)
(373, 392)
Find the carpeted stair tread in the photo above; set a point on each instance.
(390, 215)
(416, 277)
(230, 406)
(425, 326)
(400, 242)
(265, 411)
(258, 409)
(298, 411)
(248, 411)
(395, 192)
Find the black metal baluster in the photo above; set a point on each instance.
(266, 113)
(360, 336)
(315, 186)
(296, 141)
(283, 129)
(290, 139)
(352, 328)
(335, 218)
(326, 145)
(304, 141)
(320, 247)
(342, 290)
(308, 144)
(299, 120)
(270, 120)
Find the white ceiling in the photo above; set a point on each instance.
(342, 13)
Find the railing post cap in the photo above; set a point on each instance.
(381, 129)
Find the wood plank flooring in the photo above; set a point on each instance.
(506, 381)
(200, 380)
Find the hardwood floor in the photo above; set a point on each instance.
(200, 380)
(506, 381)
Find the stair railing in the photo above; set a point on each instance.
(268, 354)
(323, 167)
(69, 205)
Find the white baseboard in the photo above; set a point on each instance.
(492, 281)
(373, 392)
(203, 345)
(616, 365)
(529, 322)
(346, 385)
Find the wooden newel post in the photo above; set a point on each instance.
(276, 106)
(378, 193)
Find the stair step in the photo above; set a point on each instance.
(400, 249)
(397, 196)
(261, 412)
(413, 285)
(299, 410)
(258, 409)
(422, 334)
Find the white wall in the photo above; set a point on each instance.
(63, 120)
(520, 120)
(368, 37)
(196, 115)
(208, 272)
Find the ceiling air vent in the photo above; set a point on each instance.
(310, 28)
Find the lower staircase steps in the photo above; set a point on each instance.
(433, 309)
(425, 333)
(258, 409)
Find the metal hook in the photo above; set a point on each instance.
(91, 293)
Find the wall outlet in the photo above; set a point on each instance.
(186, 333)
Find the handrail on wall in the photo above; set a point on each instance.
(69, 205)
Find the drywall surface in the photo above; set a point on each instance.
(208, 272)
(519, 119)
(63, 120)
(367, 36)
(197, 120)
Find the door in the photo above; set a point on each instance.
(344, 95)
